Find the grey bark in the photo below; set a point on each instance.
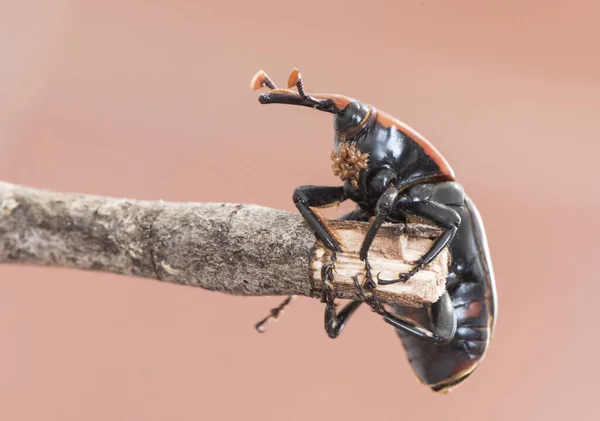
(233, 248)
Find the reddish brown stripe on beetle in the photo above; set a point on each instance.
(387, 120)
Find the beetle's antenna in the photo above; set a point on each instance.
(275, 313)
(295, 79)
(286, 96)
(260, 80)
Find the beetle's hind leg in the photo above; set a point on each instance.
(440, 214)
(443, 317)
(384, 207)
(274, 313)
(371, 298)
(443, 322)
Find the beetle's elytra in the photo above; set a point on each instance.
(393, 173)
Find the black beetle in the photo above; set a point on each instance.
(393, 173)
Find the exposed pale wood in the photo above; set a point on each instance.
(392, 252)
(232, 248)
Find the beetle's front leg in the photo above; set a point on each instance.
(385, 204)
(334, 322)
(440, 214)
(306, 197)
(370, 299)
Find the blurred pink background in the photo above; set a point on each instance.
(151, 100)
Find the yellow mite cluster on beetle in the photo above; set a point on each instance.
(348, 163)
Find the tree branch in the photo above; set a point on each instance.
(232, 248)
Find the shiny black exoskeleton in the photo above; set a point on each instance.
(393, 174)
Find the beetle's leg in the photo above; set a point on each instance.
(372, 299)
(385, 204)
(334, 322)
(443, 322)
(440, 214)
(274, 313)
(306, 197)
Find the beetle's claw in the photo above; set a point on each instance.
(371, 299)
(327, 276)
(360, 289)
(369, 284)
(403, 278)
(368, 275)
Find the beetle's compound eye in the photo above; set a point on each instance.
(351, 118)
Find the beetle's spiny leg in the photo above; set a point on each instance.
(334, 322)
(328, 296)
(403, 277)
(366, 297)
(370, 298)
(439, 214)
(360, 289)
(326, 277)
(369, 282)
(373, 301)
(308, 199)
(274, 313)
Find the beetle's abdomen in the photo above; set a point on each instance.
(471, 287)
(472, 339)
(443, 366)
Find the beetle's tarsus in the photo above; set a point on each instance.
(360, 289)
(327, 276)
(373, 301)
(403, 277)
(369, 282)
(371, 298)
(273, 314)
(334, 323)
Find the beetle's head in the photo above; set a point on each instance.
(349, 115)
